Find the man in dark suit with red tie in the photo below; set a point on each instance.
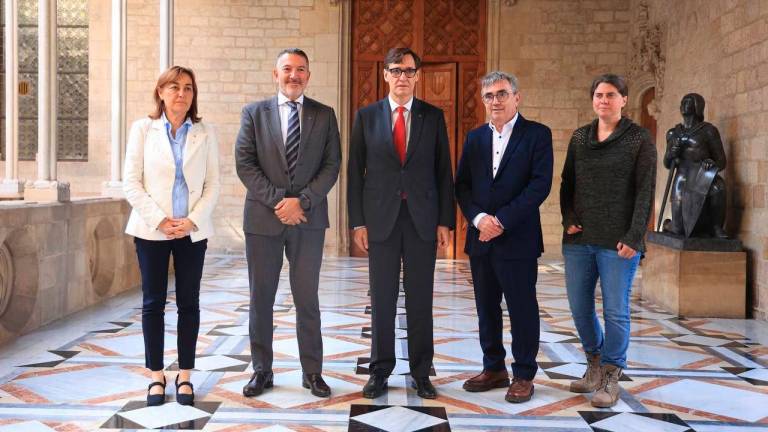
(401, 207)
(504, 175)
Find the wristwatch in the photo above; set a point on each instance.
(304, 202)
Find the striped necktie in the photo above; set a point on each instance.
(292, 138)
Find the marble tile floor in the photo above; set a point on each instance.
(86, 372)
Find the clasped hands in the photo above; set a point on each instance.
(176, 228)
(489, 228)
(289, 211)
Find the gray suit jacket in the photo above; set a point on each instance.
(261, 164)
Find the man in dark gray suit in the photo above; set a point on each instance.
(400, 195)
(288, 156)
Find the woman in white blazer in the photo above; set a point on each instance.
(172, 183)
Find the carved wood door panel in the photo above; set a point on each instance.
(450, 36)
(437, 86)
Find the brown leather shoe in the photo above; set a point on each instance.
(521, 390)
(487, 380)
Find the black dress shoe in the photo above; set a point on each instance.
(375, 387)
(316, 385)
(184, 398)
(156, 399)
(424, 388)
(259, 381)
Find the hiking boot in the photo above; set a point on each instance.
(608, 393)
(592, 377)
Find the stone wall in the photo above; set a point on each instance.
(556, 48)
(56, 259)
(719, 49)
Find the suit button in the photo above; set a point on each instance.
(397, 192)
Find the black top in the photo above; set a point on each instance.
(608, 187)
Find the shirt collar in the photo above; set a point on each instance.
(393, 105)
(281, 99)
(507, 127)
(187, 123)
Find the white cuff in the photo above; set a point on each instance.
(478, 218)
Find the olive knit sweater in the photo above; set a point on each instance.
(608, 187)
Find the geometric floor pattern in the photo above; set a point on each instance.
(86, 372)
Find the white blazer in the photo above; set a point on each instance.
(150, 171)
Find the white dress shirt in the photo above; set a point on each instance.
(500, 141)
(285, 112)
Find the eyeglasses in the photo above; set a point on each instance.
(501, 96)
(396, 72)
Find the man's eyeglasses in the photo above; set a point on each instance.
(396, 72)
(501, 96)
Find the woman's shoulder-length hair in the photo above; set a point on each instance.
(169, 76)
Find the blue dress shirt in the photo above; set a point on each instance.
(180, 196)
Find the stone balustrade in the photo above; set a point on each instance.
(58, 258)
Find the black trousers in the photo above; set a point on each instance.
(418, 260)
(516, 280)
(188, 258)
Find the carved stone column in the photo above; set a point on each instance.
(46, 187)
(493, 55)
(166, 35)
(11, 187)
(114, 187)
(647, 63)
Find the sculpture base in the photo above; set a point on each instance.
(695, 283)
(47, 191)
(11, 189)
(707, 244)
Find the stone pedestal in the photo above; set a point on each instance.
(11, 189)
(46, 191)
(112, 189)
(695, 283)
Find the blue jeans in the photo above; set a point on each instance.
(584, 264)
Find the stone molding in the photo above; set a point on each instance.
(6, 278)
(647, 51)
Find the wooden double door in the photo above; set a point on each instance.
(450, 36)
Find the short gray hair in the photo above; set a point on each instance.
(492, 78)
(296, 51)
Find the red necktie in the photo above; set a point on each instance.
(398, 134)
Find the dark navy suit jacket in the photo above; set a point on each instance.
(521, 185)
(376, 179)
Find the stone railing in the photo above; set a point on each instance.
(58, 258)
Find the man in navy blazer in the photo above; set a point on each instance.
(504, 175)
